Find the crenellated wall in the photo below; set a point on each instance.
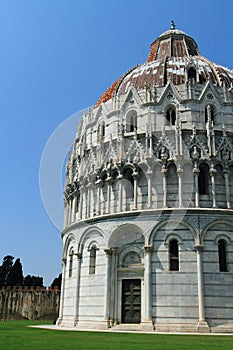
(29, 303)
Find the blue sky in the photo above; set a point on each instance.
(57, 57)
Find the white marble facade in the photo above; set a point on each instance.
(148, 226)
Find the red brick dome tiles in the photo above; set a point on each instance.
(173, 56)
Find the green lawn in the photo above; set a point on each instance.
(16, 335)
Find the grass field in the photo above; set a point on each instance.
(16, 335)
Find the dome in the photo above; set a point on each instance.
(173, 56)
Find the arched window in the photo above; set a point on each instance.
(172, 185)
(131, 122)
(92, 261)
(220, 185)
(101, 131)
(203, 179)
(222, 255)
(192, 74)
(71, 263)
(209, 113)
(171, 116)
(173, 255)
(115, 190)
(129, 183)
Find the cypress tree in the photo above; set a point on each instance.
(15, 276)
(5, 269)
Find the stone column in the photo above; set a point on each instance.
(113, 283)
(98, 184)
(74, 206)
(177, 139)
(77, 288)
(228, 197)
(66, 207)
(148, 286)
(60, 317)
(181, 141)
(180, 174)
(120, 193)
(202, 325)
(150, 142)
(80, 212)
(196, 173)
(107, 287)
(149, 189)
(83, 203)
(213, 140)
(135, 191)
(70, 211)
(108, 181)
(212, 175)
(88, 200)
(164, 173)
(91, 200)
(115, 286)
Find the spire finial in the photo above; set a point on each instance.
(173, 26)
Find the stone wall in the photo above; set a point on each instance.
(32, 303)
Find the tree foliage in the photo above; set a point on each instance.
(57, 281)
(33, 281)
(15, 276)
(5, 269)
(11, 274)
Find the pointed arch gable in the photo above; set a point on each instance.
(208, 88)
(101, 113)
(131, 94)
(169, 89)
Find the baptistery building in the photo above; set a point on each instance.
(148, 228)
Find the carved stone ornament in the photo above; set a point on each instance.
(195, 153)
(131, 258)
(164, 154)
(210, 96)
(169, 96)
(225, 154)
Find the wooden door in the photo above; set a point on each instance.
(131, 301)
